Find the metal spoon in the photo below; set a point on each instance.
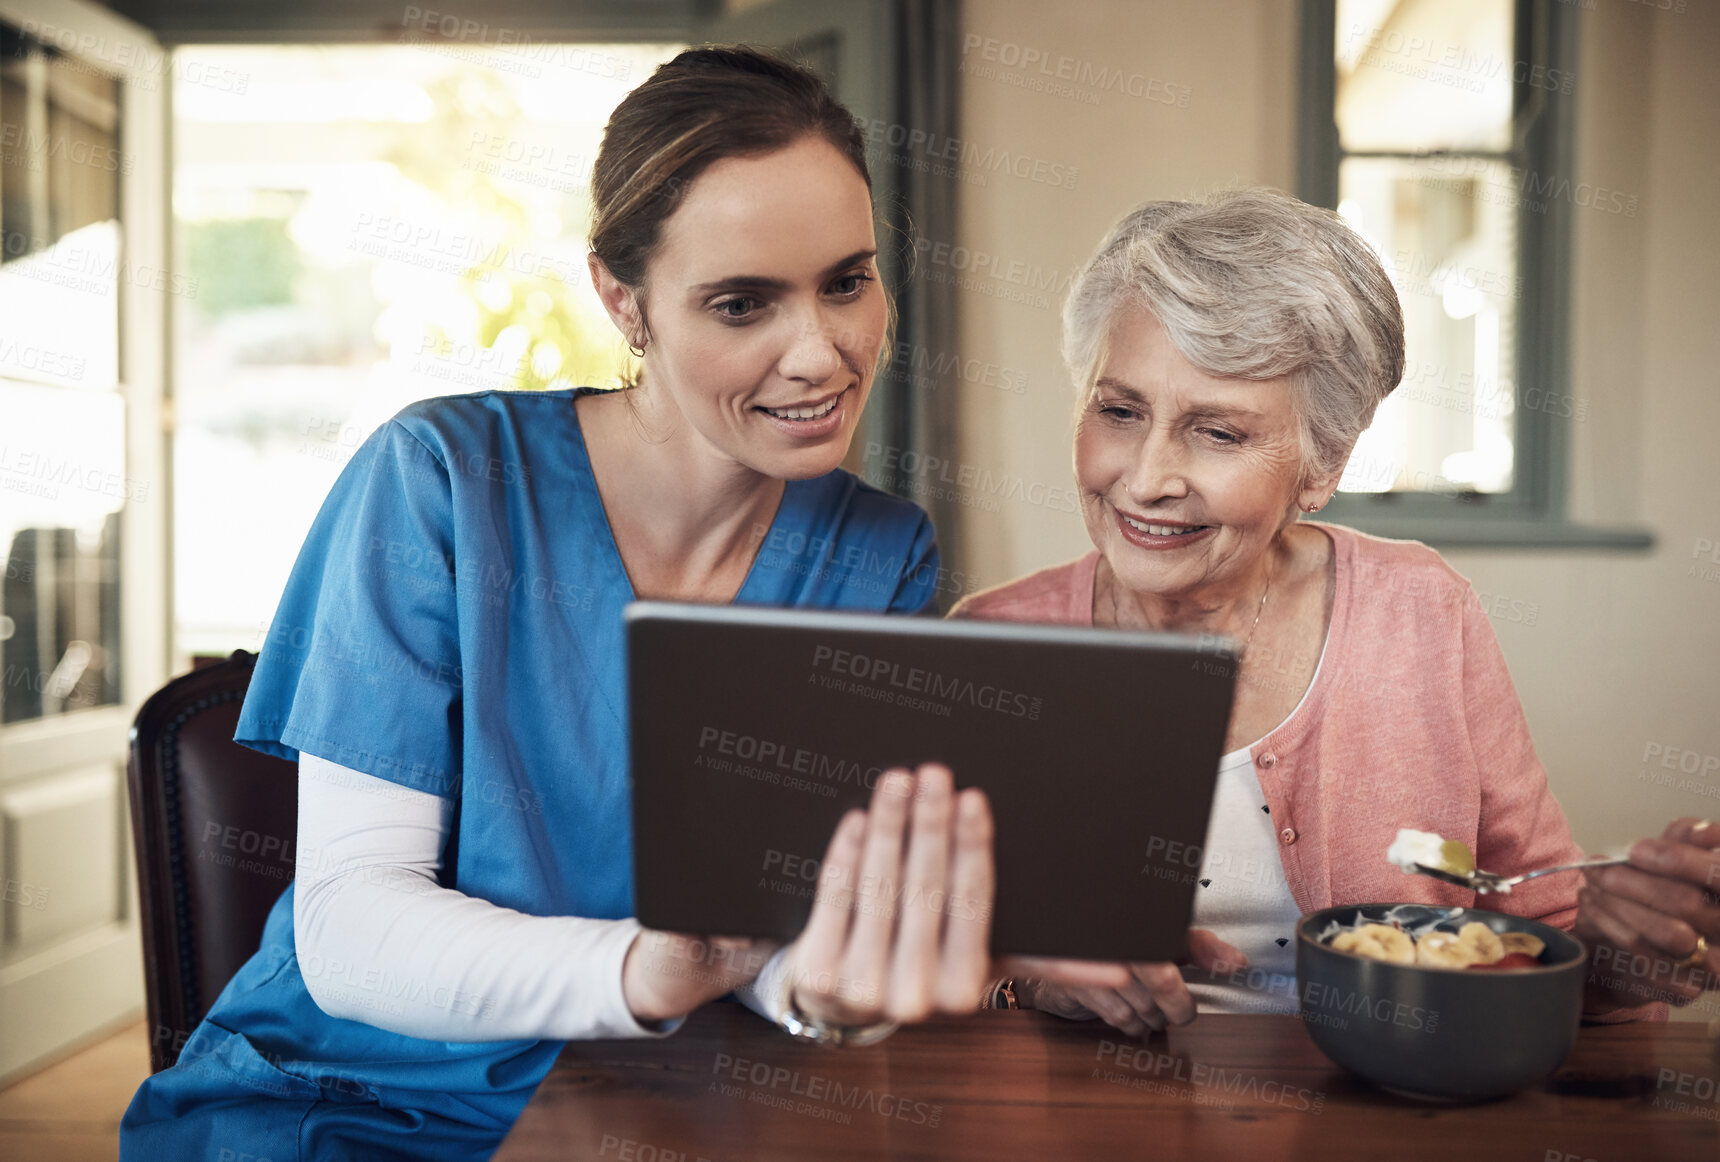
(1483, 882)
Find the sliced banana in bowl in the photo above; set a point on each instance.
(1523, 942)
(1487, 1005)
(1377, 942)
(1475, 945)
(1484, 945)
(1443, 950)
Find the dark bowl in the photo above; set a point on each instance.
(1440, 1033)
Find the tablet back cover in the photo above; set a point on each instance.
(754, 730)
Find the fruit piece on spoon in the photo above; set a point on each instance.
(1426, 849)
(1456, 857)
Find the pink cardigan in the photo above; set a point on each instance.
(1412, 721)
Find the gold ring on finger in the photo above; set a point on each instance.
(1699, 957)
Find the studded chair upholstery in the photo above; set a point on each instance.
(214, 825)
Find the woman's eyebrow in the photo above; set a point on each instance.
(766, 282)
(1216, 411)
(1221, 411)
(1109, 383)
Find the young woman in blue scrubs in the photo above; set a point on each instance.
(445, 665)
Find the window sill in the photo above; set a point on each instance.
(1508, 534)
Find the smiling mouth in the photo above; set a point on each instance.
(1156, 529)
(815, 411)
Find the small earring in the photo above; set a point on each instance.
(638, 349)
(1315, 507)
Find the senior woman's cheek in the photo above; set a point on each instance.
(1100, 460)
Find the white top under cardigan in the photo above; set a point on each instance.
(1242, 895)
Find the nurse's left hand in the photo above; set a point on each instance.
(901, 923)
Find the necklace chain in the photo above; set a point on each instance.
(1260, 609)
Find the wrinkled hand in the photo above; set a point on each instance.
(1642, 919)
(901, 923)
(1154, 996)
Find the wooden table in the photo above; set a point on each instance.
(729, 1088)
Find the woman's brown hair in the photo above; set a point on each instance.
(705, 105)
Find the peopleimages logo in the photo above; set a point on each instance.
(773, 761)
(935, 686)
(1208, 1080)
(819, 1096)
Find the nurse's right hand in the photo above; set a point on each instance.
(901, 923)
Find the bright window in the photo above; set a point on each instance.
(1424, 112)
(63, 479)
(363, 227)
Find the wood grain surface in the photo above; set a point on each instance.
(727, 1087)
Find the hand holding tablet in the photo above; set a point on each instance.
(1151, 996)
(900, 926)
(871, 952)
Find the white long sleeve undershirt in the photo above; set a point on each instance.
(380, 941)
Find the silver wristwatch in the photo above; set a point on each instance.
(796, 1024)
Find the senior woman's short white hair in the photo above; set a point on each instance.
(1253, 284)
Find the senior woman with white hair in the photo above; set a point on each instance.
(1227, 355)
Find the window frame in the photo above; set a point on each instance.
(1533, 513)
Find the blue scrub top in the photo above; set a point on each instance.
(453, 624)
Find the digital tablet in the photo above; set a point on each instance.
(753, 730)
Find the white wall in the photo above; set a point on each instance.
(1626, 653)
(1625, 649)
(1232, 62)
